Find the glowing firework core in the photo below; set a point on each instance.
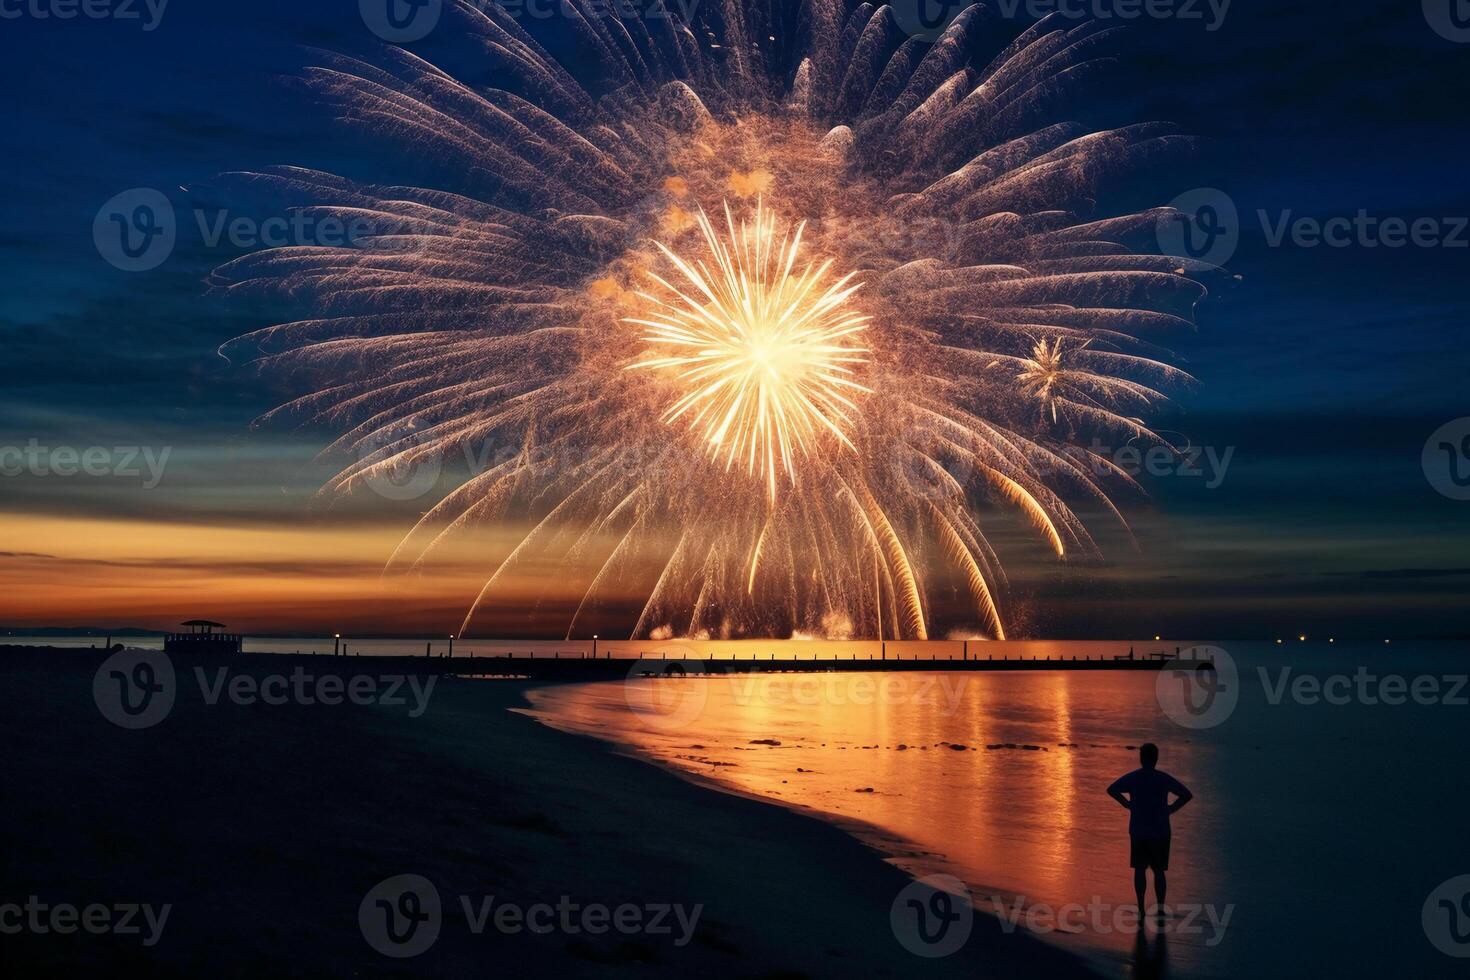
(765, 354)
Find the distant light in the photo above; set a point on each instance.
(1302, 638)
(1157, 637)
(336, 636)
(1278, 641)
(1331, 639)
(1387, 641)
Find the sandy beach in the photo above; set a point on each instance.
(263, 827)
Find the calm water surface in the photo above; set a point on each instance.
(1317, 832)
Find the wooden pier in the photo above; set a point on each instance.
(585, 668)
(577, 666)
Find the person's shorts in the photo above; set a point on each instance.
(1145, 853)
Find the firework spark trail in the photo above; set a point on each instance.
(841, 480)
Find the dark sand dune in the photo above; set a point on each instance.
(264, 827)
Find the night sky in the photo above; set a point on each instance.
(1322, 371)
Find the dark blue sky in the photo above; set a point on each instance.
(1323, 371)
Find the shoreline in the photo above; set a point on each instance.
(266, 826)
(904, 854)
(884, 844)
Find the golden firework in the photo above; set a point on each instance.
(1041, 372)
(766, 356)
(1005, 352)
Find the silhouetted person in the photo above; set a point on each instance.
(1144, 793)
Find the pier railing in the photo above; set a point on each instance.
(185, 643)
(581, 666)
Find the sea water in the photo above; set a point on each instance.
(1329, 779)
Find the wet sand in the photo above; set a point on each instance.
(264, 826)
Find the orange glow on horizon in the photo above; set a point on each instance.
(316, 578)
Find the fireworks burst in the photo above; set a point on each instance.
(722, 422)
(768, 360)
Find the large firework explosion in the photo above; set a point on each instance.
(773, 306)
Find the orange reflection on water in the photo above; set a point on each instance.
(997, 777)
